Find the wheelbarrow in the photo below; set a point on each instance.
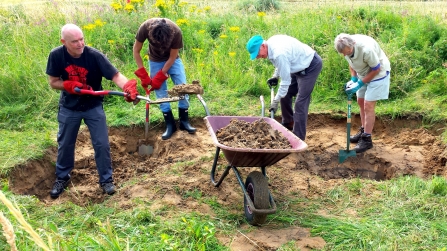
(258, 201)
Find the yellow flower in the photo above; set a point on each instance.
(182, 3)
(261, 14)
(215, 53)
(206, 8)
(89, 27)
(235, 28)
(232, 54)
(201, 64)
(129, 7)
(116, 6)
(182, 21)
(197, 50)
(89, 45)
(201, 31)
(223, 36)
(192, 8)
(99, 23)
(161, 4)
(146, 57)
(111, 41)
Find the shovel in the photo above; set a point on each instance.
(146, 149)
(344, 154)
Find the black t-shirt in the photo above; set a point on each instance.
(88, 69)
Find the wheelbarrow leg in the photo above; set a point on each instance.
(213, 170)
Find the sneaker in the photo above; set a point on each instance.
(108, 188)
(357, 136)
(288, 125)
(59, 187)
(364, 144)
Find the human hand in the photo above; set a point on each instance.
(274, 106)
(70, 86)
(144, 77)
(272, 82)
(353, 87)
(131, 88)
(158, 79)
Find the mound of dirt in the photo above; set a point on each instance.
(194, 88)
(256, 135)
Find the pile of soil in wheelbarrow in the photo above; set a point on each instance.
(194, 88)
(256, 135)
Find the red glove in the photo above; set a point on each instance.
(70, 85)
(131, 88)
(158, 80)
(144, 77)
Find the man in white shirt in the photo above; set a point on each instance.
(370, 80)
(298, 67)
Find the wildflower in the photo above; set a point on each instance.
(201, 64)
(89, 27)
(99, 23)
(116, 6)
(161, 4)
(182, 21)
(182, 3)
(111, 41)
(223, 36)
(235, 28)
(192, 8)
(261, 14)
(129, 7)
(215, 53)
(197, 50)
(146, 57)
(232, 54)
(201, 31)
(207, 8)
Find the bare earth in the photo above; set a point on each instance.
(401, 147)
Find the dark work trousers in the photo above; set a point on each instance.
(69, 123)
(301, 87)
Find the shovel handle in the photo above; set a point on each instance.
(100, 93)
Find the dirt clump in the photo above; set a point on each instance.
(256, 135)
(179, 90)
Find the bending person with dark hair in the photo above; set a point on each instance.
(165, 41)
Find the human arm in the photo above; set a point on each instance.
(137, 46)
(283, 69)
(56, 83)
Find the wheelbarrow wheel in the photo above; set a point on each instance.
(256, 186)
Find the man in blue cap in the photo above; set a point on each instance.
(298, 67)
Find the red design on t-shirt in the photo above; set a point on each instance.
(76, 73)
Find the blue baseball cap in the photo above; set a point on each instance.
(253, 46)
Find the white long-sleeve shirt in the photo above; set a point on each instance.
(288, 55)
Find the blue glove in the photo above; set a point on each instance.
(353, 87)
(354, 79)
(274, 106)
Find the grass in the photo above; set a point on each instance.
(405, 213)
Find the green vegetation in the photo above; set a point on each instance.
(402, 214)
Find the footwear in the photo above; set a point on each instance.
(288, 125)
(59, 187)
(364, 144)
(356, 137)
(170, 125)
(184, 123)
(108, 188)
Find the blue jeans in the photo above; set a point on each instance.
(178, 76)
(69, 123)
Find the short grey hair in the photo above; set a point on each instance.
(343, 40)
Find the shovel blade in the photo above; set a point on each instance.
(145, 150)
(344, 154)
